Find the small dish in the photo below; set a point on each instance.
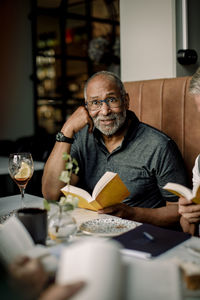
(107, 227)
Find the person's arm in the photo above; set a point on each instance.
(163, 216)
(29, 280)
(61, 292)
(27, 277)
(190, 212)
(51, 184)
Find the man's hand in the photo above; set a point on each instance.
(162, 216)
(119, 210)
(187, 227)
(189, 210)
(28, 276)
(78, 120)
(61, 292)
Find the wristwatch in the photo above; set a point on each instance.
(60, 137)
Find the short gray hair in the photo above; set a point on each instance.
(194, 87)
(111, 76)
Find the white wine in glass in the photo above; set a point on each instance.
(21, 170)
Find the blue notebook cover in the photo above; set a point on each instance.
(151, 239)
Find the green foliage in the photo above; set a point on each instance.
(69, 202)
(71, 167)
(65, 176)
(46, 205)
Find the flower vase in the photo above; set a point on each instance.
(62, 226)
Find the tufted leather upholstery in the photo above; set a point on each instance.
(166, 105)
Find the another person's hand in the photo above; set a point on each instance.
(61, 292)
(28, 276)
(120, 210)
(189, 210)
(79, 119)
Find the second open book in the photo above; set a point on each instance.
(98, 262)
(182, 191)
(108, 276)
(108, 191)
(16, 241)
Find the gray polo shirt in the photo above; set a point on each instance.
(146, 160)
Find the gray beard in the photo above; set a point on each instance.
(107, 129)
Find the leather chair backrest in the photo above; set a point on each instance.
(167, 105)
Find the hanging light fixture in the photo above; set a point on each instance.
(185, 56)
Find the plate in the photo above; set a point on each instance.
(107, 226)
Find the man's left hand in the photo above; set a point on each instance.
(119, 210)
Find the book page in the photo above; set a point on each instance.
(108, 191)
(14, 240)
(99, 265)
(179, 190)
(102, 183)
(76, 191)
(196, 193)
(153, 280)
(113, 192)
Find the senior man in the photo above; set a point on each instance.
(105, 136)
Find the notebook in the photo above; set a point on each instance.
(148, 241)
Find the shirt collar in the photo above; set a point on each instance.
(133, 126)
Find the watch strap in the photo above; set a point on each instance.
(60, 137)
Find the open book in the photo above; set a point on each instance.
(108, 191)
(182, 191)
(98, 262)
(109, 277)
(16, 241)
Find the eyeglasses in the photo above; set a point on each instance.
(112, 102)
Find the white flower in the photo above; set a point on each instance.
(69, 202)
(65, 176)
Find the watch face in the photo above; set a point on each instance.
(59, 136)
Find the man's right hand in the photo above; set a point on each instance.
(78, 120)
(51, 184)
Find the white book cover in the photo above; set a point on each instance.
(16, 241)
(98, 263)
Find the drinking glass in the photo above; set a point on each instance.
(21, 170)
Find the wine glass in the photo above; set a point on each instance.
(21, 170)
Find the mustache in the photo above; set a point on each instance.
(105, 118)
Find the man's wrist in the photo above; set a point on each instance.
(60, 137)
(67, 130)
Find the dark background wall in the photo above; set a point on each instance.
(16, 90)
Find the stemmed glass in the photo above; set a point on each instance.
(21, 170)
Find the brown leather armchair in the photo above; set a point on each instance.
(167, 105)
